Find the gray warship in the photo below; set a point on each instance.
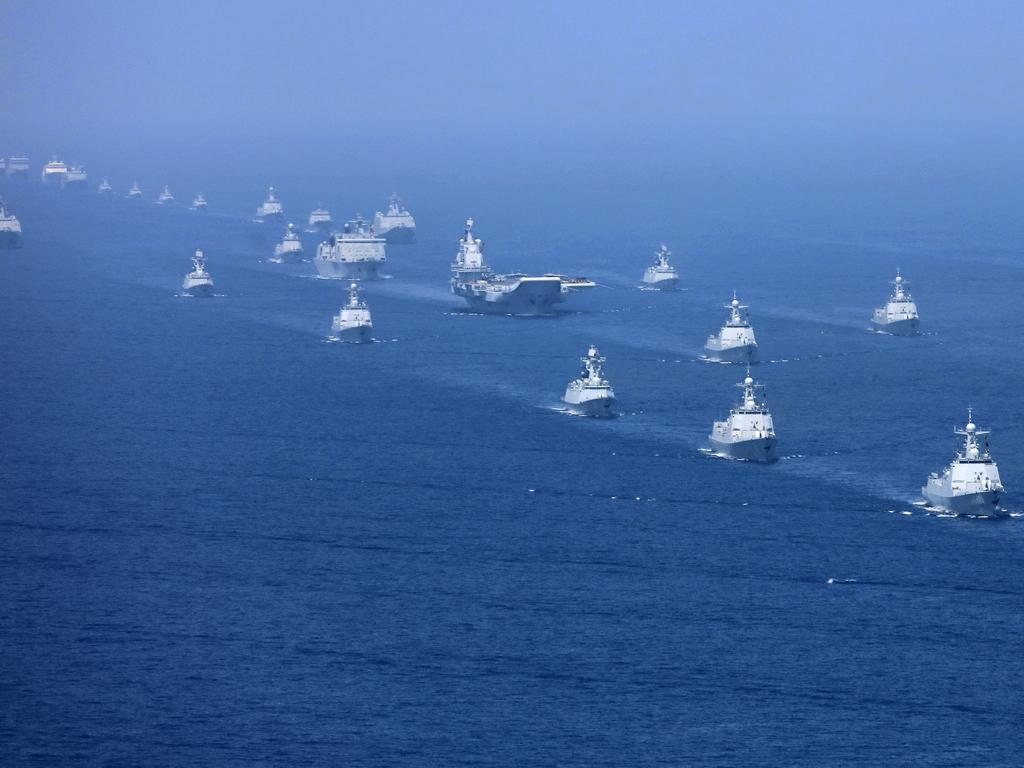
(198, 203)
(10, 228)
(353, 322)
(271, 210)
(320, 220)
(198, 282)
(289, 250)
(514, 294)
(396, 225)
(970, 485)
(104, 188)
(749, 432)
(135, 193)
(354, 253)
(165, 197)
(17, 166)
(591, 394)
(661, 275)
(76, 178)
(54, 172)
(735, 342)
(899, 315)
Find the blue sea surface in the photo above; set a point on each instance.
(226, 540)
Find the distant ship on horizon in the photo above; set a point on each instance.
(397, 224)
(271, 210)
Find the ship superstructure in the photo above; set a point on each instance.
(135, 193)
(10, 228)
(899, 315)
(165, 197)
(76, 177)
(320, 220)
(353, 322)
(289, 250)
(198, 203)
(749, 432)
(271, 210)
(735, 342)
(55, 172)
(397, 224)
(515, 294)
(18, 166)
(198, 282)
(104, 188)
(661, 275)
(970, 485)
(354, 253)
(591, 394)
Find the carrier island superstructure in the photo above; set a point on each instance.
(970, 485)
(354, 253)
(513, 294)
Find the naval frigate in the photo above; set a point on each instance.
(899, 315)
(513, 294)
(353, 322)
(970, 485)
(198, 203)
(397, 225)
(271, 210)
(354, 253)
(661, 275)
(198, 282)
(10, 228)
(135, 193)
(591, 394)
(749, 432)
(289, 250)
(165, 197)
(104, 188)
(735, 342)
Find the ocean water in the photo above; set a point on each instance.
(225, 540)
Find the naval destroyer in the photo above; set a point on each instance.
(661, 275)
(514, 294)
(104, 188)
(198, 203)
(55, 172)
(899, 315)
(135, 193)
(735, 342)
(748, 433)
(10, 228)
(970, 485)
(591, 394)
(353, 322)
(76, 178)
(289, 250)
(354, 253)
(17, 166)
(165, 197)
(198, 282)
(271, 210)
(320, 220)
(397, 225)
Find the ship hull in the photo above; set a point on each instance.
(347, 270)
(399, 235)
(270, 218)
(530, 298)
(288, 257)
(200, 291)
(9, 240)
(667, 284)
(359, 334)
(981, 503)
(744, 354)
(595, 408)
(760, 449)
(909, 327)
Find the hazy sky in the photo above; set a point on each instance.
(586, 66)
(756, 93)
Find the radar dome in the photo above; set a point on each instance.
(970, 426)
(748, 381)
(735, 302)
